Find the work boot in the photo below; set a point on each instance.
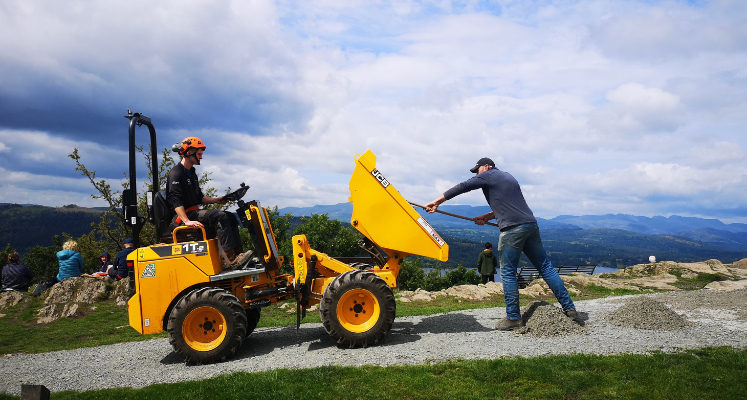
(573, 315)
(508, 324)
(241, 259)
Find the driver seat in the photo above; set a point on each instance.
(163, 214)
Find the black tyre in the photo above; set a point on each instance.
(207, 325)
(358, 309)
(252, 318)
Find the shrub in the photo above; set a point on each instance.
(411, 274)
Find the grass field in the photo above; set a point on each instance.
(718, 373)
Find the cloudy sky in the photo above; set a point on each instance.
(596, 107)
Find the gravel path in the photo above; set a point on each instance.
(719, 320)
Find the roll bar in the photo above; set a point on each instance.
(129, 196)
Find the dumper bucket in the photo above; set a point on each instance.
(382, 215)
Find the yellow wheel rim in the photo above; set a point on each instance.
(358, 310)
(204, 328)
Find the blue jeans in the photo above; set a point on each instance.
(526, 238)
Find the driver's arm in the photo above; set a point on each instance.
(213, 200)
(183, 215)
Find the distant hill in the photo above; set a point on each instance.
(608, 247)
(26, 226)
(649, 225)
(710, 231)
(613, 239)
(344, 212)
(570, 240)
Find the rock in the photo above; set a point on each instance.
(121, 300)
(493, 288)
(64, 299)
(741, 264)
(9, 299)
(649, 269)
(53, 312)
(583, 280)
(707, 267)
(468, 292)
(687, 274)
(727, 285)
(421, 296)
(533, 290)
(661, 282)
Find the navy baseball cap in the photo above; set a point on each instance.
(480, 163)
(129, 240)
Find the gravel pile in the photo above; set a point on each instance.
(463, 335)
(647, 313)
(544, 320)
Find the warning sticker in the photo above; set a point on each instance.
(431, 231)
(149, 271)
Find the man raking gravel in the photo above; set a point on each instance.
(519, 233)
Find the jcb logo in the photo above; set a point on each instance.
(380, 177)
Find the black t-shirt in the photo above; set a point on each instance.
(183, 187)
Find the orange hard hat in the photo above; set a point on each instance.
(192, 141)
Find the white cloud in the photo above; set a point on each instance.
(641, 98)
(595, 107)
(671, 29)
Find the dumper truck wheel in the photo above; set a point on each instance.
(207, 325)
(252, 318)
(358, 309)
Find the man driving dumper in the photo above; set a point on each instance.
(185, 196)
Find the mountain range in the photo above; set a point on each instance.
(614, 240)
(710, 231)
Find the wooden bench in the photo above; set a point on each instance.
(529, 273)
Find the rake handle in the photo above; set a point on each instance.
(453, 215)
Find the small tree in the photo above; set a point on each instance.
(434, 281)
(4, 255)
(329, 236)
(42, 260)
(411, 274)
(462, 276)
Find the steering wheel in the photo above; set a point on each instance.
(237, 194)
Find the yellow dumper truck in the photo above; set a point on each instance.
(180, 285)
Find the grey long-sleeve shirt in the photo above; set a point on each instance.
(503, 194)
